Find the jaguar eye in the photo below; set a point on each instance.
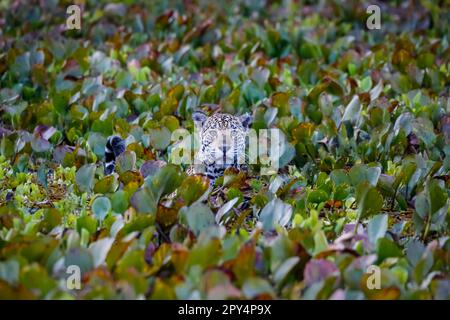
(213, 133)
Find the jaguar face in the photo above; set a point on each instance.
(222, 140)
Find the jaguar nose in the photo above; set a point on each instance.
(225, 148)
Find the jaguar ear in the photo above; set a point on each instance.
(199, 118)
(246, 120)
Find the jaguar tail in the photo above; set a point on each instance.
(115, 145)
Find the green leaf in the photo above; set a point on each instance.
(165, 181)
(160, 138)
(360, 173)
(352, 110)
(101, 207)
(199, 217)
(124, 80)
(126, 161)
(366, 84)
(438, 196)
(387, 249)
(225, 209)
(144, 201)
(79, 257)
(318, 196)
(9, 271)
(320, 242)
(377, 227)
(193, 187)
(276, 212)
(414, 251)
(108, 184)
(119, 201)
(369, 199)
(85, 177)
(255, 287)
(99, 250)
(284, 269)
(88, 223)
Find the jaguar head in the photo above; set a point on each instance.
(222, 139)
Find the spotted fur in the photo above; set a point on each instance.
(222, 142)
(114, 146)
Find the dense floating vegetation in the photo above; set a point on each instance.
(365, 172)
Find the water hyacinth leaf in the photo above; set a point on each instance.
(366, 84)
(150, 168)
(403, 122)
(126, 161)
(251, 93)
(176, 92)
(369, 200)
(79, 257)
(85, 177)
(88, 223)
(385, 294)
(9, 271)
(225, 209)
(108, 184)
(160, 138)
(386, 249)
(339, 176)
(377, 227)
(243, 264)
(124, 80)
(166, 217)
(60, 101)
(97, 142)
(361, 173)
(352, 110)
(284, 269)
(101, 207)
(376, 91)
(276, 212)
(133, 177)
(119, 201)
(204, 254)
(276, 184)
(414, 251)
(144, 201)
(199, 217)
(430, 206)
(317, 270)
(193, 187)
(99, 250)
(165, 181)
(438, 196)
(386, 184)
(320, 242)
(423, 128)
(169, 105)
(280, 100)
(287, 156)
(52, 219)
(40, 144)
(42, 176)
(303, 131)
(256, 287)
(317, 196)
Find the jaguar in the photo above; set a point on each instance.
(222, 139)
